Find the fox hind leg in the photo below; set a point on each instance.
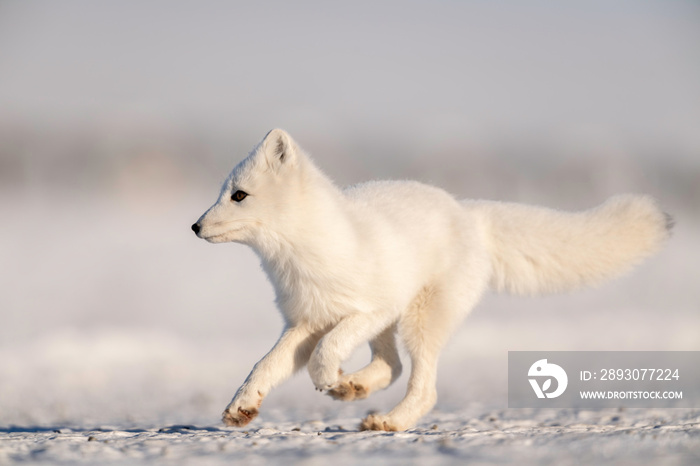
(423, 345)
(424, 328)
(381, 372)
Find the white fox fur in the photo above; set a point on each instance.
(361, 264)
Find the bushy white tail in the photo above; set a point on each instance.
(536, 250)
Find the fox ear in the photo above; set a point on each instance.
(278, 148)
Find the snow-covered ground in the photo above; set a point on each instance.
(123, 337)
(473, 436)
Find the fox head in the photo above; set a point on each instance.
(260, 196)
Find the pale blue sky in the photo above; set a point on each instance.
(477, 70)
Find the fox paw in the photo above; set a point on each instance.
(323, 377)
(236, 415)
(348, 391)
(239, 417)
(378, 422)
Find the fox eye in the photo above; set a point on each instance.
(239, 195)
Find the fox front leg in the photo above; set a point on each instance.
(382, 371)
(339, 343)
(290, 353)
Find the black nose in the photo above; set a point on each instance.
(195, 227)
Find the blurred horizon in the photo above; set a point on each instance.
(520, 101)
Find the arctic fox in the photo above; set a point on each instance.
(381, 258)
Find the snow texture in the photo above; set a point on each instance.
(470, 436)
